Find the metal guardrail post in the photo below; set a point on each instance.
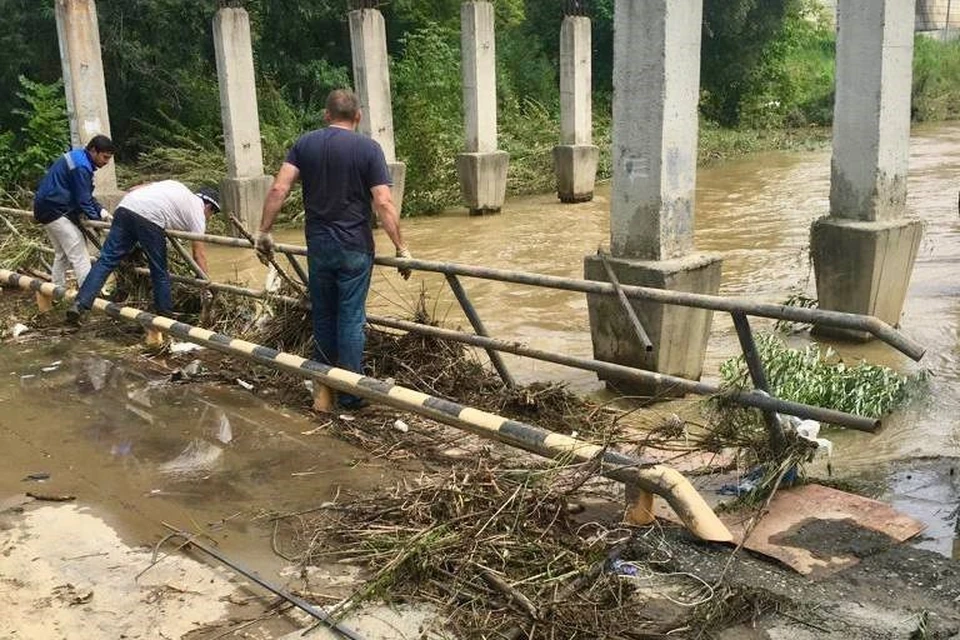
(477, 325)
(627, 307)
(755, 366)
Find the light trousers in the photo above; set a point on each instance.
(70, 249)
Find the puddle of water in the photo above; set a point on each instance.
(930, 492)
(142, 451)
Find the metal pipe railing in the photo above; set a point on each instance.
(867, 324)
(629, 374)
(743, 397)
(653, 477)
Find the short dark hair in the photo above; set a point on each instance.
(342, 104)
(101, 144)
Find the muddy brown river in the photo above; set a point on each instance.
(140, 452)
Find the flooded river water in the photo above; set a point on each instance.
(204, 456)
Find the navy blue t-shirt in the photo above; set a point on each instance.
(338, 168)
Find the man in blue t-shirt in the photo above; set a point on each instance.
(65, 193)
(345, 177)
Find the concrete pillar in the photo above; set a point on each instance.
(86, 91)
(244, 188)
(575, 158)
(863, 252)
(656, 72)
(482, 168)
(371, 74)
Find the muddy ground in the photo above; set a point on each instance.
(78, 558)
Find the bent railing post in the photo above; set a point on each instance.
(755, 366)
(478, 327)
(638, 329)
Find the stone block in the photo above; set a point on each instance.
(243, 197)
(679, 334)
(483, 180)
(864, 268)
(576, 169)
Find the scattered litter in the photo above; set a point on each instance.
(192, 369)
(401, 426)
(308, 385)
(809, 430)
(56, 363)
(19, 329)
(622, 568)
(246, 385)
(347, 418)
(36, 477)
(27, 376)
(49, 369)
(184, 347)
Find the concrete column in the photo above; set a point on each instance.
(482, 168)
(371, 74)
(575, 158)
(655, 93)
(86, 91)
(864, 250)
(244, 188)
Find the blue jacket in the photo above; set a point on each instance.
(67, 189)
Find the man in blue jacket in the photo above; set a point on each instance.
(65, 193)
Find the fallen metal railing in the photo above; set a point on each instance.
(646, 476)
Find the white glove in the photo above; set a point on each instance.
(403, 252)
(105, 216)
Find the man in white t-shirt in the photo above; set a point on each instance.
(140, 220)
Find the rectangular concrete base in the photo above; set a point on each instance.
(243, 197)
(483, 180)
(864, 268)
(576, 169)
(679, 334)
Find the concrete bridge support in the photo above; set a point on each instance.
(656, 87)
(575, 158)
(863, 252)
(482, 168)
(86, 91)
(245, 187)
(371, 74)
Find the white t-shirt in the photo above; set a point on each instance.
(168, 204)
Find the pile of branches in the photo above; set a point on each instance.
(498, 551)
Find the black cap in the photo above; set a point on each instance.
(210, 196)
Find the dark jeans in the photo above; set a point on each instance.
(127, 231)
(339, 282)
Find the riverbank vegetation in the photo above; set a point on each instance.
(766, 83)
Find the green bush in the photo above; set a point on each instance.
(429, 122)
(43, 135)
(936, 80)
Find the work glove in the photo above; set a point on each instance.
(403, 252)
(105, 216)
(264, 245)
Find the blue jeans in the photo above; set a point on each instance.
(339, 282)
(127, 231)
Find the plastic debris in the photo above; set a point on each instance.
(184, 347)
(48, 369)
(40, 476)
(246, 385)
(622, 568)
(401, 426)
(809, 430)
(19, 329)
